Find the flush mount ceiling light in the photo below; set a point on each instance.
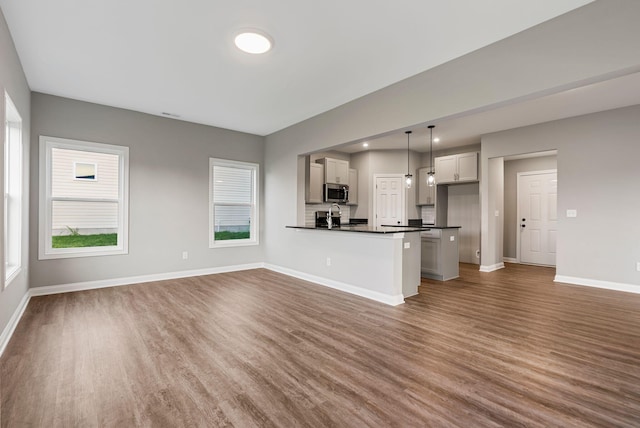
(408, 177)
(253, 42)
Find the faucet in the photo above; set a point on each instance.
(329, 219)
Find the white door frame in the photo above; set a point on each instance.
(403, 196)
(518, 215)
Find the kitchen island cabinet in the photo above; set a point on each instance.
(379, 263)
(439, 253)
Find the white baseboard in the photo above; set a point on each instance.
(510, 260)
(13, 322)
(337, 285)
(617, 286)
(491, 268)
(115, 282)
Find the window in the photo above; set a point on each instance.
(82, 214)
(233, 217)
(85, 171)
(12, 191)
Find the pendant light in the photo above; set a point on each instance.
(431, 179)
(408, 178)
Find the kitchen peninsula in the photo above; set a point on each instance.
(379, 263)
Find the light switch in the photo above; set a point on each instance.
(497, 213)
(572, 213)
(407, 245)
(452, 238)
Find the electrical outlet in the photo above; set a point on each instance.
(407, 245)
(477, 254)
(328, 261)
(185, 255)
(638, 266)
(572, 213)
(497, 213)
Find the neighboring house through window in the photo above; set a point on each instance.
(82, 213)
(12, 191)
(233, 217)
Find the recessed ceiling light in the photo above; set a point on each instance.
(436, 140)
(253, 42)
(365, 144)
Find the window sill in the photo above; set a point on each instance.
(86, 252)
(12, 273)
(233, 243)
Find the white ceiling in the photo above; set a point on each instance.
(172, 56)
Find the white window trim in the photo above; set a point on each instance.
(255, 215)
(45, 249)
(11, 273)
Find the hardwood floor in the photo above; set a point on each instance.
(256, 348)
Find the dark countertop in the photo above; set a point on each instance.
(363, 228)
(430, 226)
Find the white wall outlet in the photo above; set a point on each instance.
(185, 255)
(497, 213)
(328, 261)
(572, 213)
(477, 254)
(407, 245)
(638, 266)
(452, 238)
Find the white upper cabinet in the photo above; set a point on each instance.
(457, 168)
(336, 171)
(426, 195)
(468, 166)
(353, 187)
(314, 181)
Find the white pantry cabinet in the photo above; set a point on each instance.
(457, 168)
(353, 187)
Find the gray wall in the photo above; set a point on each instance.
(13, 81)
(511, 170)
(555, 55)
(601, 243)
(168, 192)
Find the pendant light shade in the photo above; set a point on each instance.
(408, 177)
(431, 179)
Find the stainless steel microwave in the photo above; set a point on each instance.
(336, 193)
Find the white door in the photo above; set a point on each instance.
(537, 211)
(389, 201)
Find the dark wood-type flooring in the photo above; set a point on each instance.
(256, 348)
